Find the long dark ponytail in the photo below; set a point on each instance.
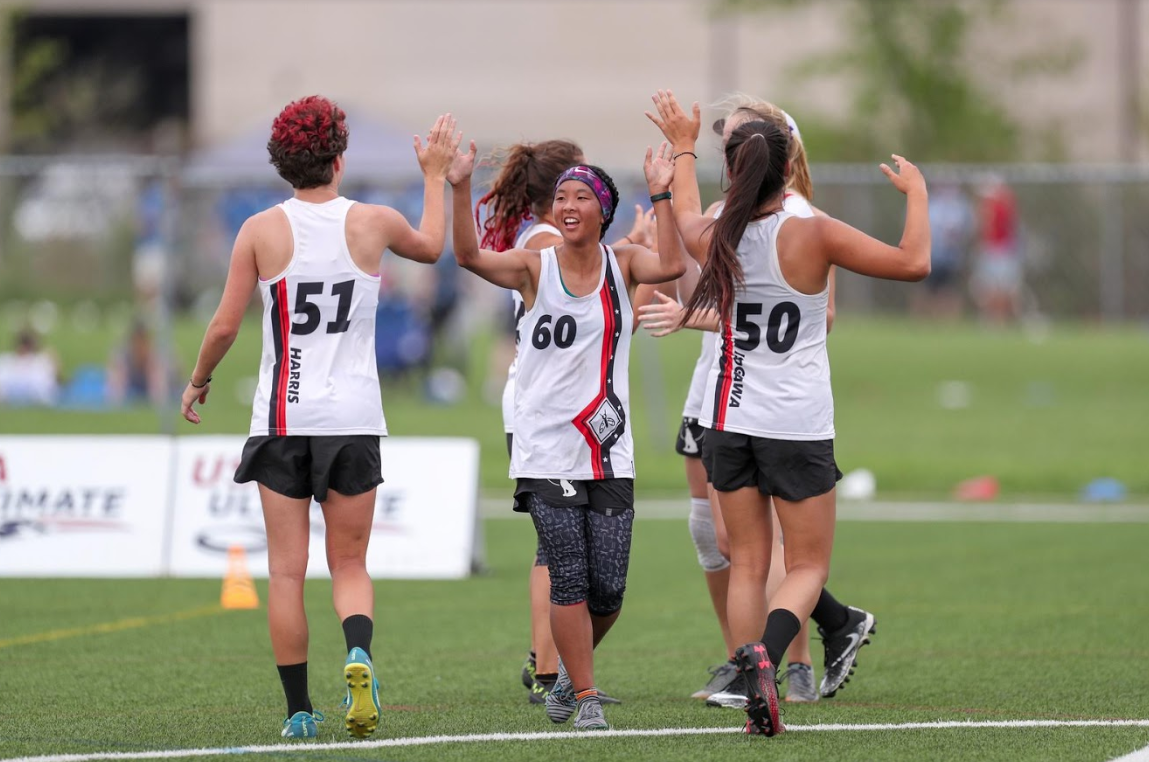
(756, 156)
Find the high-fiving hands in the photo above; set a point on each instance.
(659, 168)
(442, 146)
(680, 129)
(462, 166)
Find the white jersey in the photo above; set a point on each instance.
(799, 207)
(572, 401)
(697, 391)
(520, 308)
(771, 375)
(317, 374)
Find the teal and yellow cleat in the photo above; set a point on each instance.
(362, 701)
(302, 725)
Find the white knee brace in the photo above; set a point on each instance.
(702, 532)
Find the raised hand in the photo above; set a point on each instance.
(662, 317)
(642, 232)
(659, 168)
(462, 166)
(442, 145)
(907, 178)
(677, 127)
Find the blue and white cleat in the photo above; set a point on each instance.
(302, 725)
(362, 701)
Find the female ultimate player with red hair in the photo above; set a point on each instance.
(317, 415)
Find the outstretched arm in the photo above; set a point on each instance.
(509, 269)
(669, 263)
(854, 250)
(664, 316)
(426, 243)
(682, 131)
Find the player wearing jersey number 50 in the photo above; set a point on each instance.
(317, 415)
(572, 452)
(768, 402)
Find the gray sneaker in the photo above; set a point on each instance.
(590, 716)
(734, 697)
(800, 679)
(720, 679)
(560, 701)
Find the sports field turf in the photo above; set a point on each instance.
(1045, 415)
(977, 622)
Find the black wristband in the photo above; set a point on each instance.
(664, 196)
(684, 153)
(199, 386)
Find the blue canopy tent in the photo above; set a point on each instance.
(377, 154)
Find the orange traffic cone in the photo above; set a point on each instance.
(238, 589)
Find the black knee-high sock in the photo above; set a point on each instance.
(830, 615)
(781, 627)
(357, 632)
(294, 679)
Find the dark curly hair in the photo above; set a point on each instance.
(609, 182)
(306, 138)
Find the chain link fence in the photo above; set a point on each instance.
(1082, 240)
(138, 232)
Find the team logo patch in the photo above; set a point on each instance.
(604, 421)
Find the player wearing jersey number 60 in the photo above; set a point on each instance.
(768, 404)
(317, 415)
(572, 452)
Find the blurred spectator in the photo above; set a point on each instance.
(952, 228)
(997, 275)
(402, 337)
(148, 257)
(30, 375)
(137, 372)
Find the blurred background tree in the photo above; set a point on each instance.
(914, 82)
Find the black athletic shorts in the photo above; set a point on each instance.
(789, 469)
(690, 436)
(301, 467)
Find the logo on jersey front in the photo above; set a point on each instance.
(604, 421)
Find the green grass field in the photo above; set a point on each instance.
(1044, 416)
(976, 623)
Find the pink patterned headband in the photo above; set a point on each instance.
(585, 174)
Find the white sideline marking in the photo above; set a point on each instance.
(848, 510)
(588, 736)
(1140, 755)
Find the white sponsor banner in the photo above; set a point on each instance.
(425, 511)
(76, 506)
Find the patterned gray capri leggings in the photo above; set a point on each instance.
(588, 553)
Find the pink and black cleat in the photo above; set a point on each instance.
(762, 709)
